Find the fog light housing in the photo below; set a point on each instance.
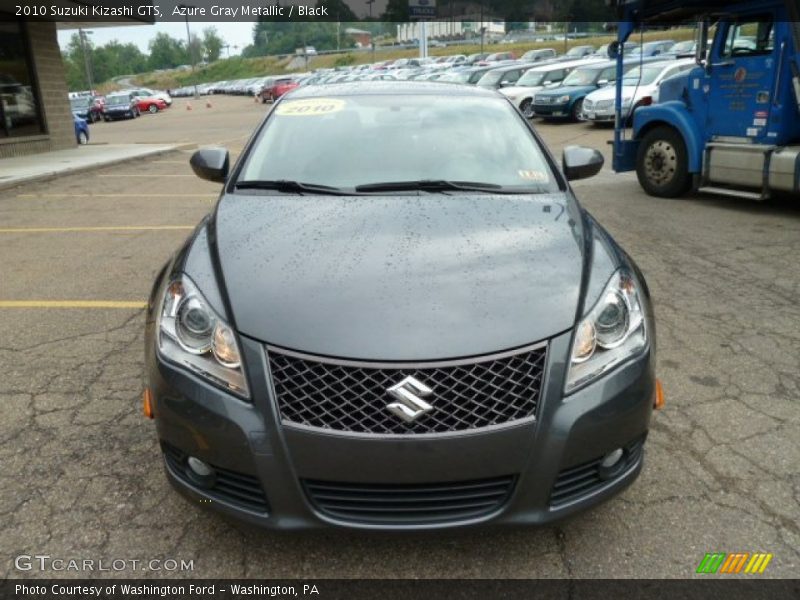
(200, 473)
(612, 464)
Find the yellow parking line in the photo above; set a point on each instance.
(94, 229)
(70, 304)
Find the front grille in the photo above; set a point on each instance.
(544, 99)
(600, 105)
(404, 504)
(577, 482)
(229, 486)
(353, 397)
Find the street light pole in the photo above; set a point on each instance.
(86, 59)
(190, 47)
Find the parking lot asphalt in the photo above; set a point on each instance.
(81, 472)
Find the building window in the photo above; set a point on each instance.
(20, 113)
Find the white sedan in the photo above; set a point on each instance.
(639, 88)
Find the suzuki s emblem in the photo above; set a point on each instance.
(410, 405)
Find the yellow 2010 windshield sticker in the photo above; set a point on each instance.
(309, 107)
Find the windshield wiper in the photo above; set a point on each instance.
(288, 186)
(433, 185)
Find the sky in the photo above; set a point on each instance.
(236, 34)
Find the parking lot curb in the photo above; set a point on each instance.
(50, 174)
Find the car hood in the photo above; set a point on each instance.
(629, 91)
(403, 277)
(516, 90)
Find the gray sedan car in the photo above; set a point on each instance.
(399, 317)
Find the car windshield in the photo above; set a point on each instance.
(78, 103)
(406, 138)
(642, 76)
(532, 78)
(581, 77)
(117, 100)
(491, 78)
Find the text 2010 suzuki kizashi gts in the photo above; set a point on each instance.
(399, 317)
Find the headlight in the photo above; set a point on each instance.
(612, 331)
(193, 336)
(563, 100)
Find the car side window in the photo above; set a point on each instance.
(750, 38)
(511, 77)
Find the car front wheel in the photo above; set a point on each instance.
(152, 109)
(577, 111)
(527, 108)
(662, 163)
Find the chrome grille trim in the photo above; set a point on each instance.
(349, 396)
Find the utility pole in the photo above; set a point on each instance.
(87, 61)
(190, 47)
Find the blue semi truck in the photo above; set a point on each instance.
(731, 125)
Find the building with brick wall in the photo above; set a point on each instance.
(35, 114)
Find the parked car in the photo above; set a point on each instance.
(86, 107)
(579, 52)
(602, 51)
(148, 93)
(639, 88)
(277, 88)
(566, 101)
(504, 76)
(150, 104)
(121, 106)
(539, 55)
(476, 58)
(468, 76)
(298, 380)
(495, 58)
(650, 49)
(539, 78)
(81, 129)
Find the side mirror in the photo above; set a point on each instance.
(211, 164)
(579, 162)
(602, 83)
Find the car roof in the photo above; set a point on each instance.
(394, 88)
(519, 65)
(554, 66)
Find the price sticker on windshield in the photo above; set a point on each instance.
(534, 175)
(310, 107)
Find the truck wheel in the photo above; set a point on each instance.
(662, 164)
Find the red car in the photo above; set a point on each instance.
(150, 104)
(277, 88)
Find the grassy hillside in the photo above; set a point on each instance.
(241, 68)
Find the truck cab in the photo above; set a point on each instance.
(730, 125)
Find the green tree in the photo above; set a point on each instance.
(212, 44)
(166, 52)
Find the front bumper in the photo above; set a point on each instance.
(599, 116)
(551, 111)
(264, 458)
